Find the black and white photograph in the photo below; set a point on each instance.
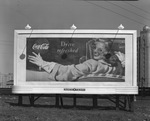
(74, 60)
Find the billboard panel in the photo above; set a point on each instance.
(75, 62)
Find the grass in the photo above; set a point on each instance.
(45, 110)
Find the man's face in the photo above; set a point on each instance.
(99, 50)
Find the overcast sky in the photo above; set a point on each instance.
(61, 14)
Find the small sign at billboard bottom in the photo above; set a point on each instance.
(74, 90)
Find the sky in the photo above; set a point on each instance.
(61, 14)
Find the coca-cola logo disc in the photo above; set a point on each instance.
(41, 46)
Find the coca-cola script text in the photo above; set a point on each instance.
(43, 46)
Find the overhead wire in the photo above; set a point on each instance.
(137, 7)
(114, 12)
(128, 10)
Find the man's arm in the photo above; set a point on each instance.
(37, 60)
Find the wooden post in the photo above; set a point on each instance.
(20, 99)
(74, 100)
(32, 99)
(131, 105)
(94, 101)
(57, 100)
(125, 102)
(117, 102)
(61, 100)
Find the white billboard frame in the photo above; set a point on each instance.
(22, 86)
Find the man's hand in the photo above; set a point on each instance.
(36, 59)
(121, 57)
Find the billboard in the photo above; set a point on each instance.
(75, 61)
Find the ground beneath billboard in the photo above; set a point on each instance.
(45, 110)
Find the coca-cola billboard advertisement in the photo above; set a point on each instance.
(77, 52)
(79, 62)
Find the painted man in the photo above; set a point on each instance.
(96, 65)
